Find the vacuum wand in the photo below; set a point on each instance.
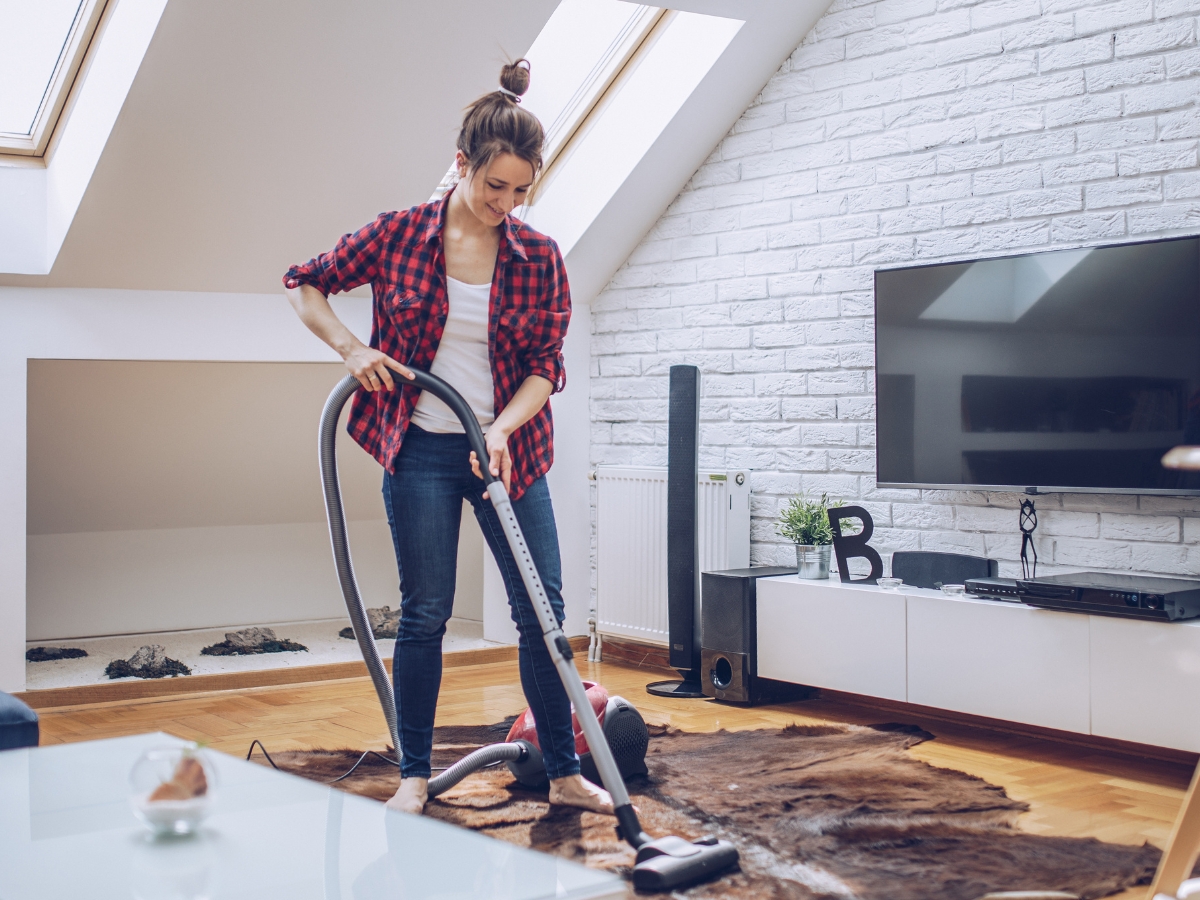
(661, 864)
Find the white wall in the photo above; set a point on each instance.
(170, 579)
(170, 495)
(568, 482)
(120, 445)
(902, 130)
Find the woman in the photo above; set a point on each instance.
(462, 289)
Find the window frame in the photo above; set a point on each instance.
(590, 94)
(60, 87)
(607, 70)
(651, 27)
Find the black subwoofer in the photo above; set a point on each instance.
(729, 633)
(727, 676)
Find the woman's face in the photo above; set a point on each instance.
(496, 190)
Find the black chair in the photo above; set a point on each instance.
(928, 569)
(18, 724)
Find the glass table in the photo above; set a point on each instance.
(67, 831)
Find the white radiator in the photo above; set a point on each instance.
(631, 541)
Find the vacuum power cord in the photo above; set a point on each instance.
(346, 774)
(484, 758)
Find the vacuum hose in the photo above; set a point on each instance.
(473, 762)
(334, 511)
(327, 449)
(661, 864)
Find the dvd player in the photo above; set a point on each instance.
(1107, 594)
(993, 588)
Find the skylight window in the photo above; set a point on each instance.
(42, 43)
(576, 57)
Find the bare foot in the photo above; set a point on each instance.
(411, 797)
(574, 790)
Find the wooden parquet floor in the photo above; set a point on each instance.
(1073, 791)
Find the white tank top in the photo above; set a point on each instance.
(461, 360)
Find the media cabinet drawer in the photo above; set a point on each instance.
(838, 637)
(1000, 660)
(1146, 681)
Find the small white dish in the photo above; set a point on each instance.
(953, 590)
(890, 584)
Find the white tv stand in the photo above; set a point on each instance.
(1118, 678)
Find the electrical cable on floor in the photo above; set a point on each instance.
(346, 774)
(350, 771)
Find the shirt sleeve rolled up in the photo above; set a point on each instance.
(352, 262)
(544, 356)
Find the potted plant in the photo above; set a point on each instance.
(805, 523)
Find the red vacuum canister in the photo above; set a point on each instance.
(524, 728)
(623, 727)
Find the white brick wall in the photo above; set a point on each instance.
(902, 130)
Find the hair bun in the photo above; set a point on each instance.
(515, 77)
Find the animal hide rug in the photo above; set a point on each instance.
(831, 811)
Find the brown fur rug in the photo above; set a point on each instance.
(816, 812)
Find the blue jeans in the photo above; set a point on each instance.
(424, 507)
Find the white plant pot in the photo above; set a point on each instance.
(812, 560)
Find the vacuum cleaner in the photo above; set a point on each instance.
(662, 863)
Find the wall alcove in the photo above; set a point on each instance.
(170, 495)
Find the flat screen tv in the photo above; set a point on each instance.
(1067, 370)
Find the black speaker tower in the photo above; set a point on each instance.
(683, 550)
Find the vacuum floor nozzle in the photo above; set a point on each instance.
(670, 862)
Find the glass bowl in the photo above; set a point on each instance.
(172, 789)
(954, 590)
(890, 584)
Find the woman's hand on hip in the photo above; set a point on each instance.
(499, 459)
(374, 369)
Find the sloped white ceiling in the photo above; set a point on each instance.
(258, 131)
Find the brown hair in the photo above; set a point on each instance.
(496, 123)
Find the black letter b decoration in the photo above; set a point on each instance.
(850, 546)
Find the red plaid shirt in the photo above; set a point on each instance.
(400, 255)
